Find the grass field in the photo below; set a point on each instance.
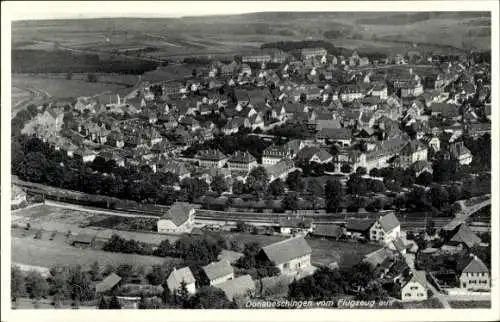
(62, 88)
(470, 304)
(346, 254)
(19, 95)
(63, 220)
(42, 253)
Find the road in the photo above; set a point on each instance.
(37, 96)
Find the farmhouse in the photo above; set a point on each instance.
(385, 229)
(291, 226)
(240, 286)
(83, 241)
(178, 219)
(218, 272)
(329, 231)
(179, 276)
(413, 287)
(359, 228)
(463, 237)
(291, 256)
(474, 275)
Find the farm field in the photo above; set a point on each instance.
(62, 88)
(43, 253)
(18, 95)
(61, 220)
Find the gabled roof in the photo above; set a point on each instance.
(417, 277)
(388, 222)
(378, 257)
(465, 235)
(286, 250)
(178, 275)
(474, 265)
(108, 283)
(242, 157)
(178, 213)
(218, 269)
(359, 225)
(307, 153)
(327, 124)
(211, 154)
(239, 286)
(336, 134)
(412, 147)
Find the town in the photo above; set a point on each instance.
(291, 173)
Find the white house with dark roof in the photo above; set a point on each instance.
(211, 158)
(314, 154)
(281, 170)
(178, 276)
(273, 154)
(474, 275)
(238, 287)
(179, 219)
(291, 256)
(413, 287)
(385, 229)
(218, 272)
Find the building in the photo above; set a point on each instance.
(359, 228)
(350, 93)
(413, 287)
(211, 158)
(281, 170)
(380, 260)
(238, 287)
(291, 256)
(273, 154)
(83, 241)
(385, 229)
(461, 237)
(307, 53)
(313, 154)
(111, 282)
(342, 136)
(262, 58)
(241, 161)
(292, 226)
(178, 276)
(330, 231)
(458, 151)
(412, 152)
(218, 272)
(474, 275)
(179, 219)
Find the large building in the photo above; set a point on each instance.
(274, 154)
(241, 161)
(179, 219)
(307, 53)
(211, 158)
(385, 229)
(291, 256)
(218, 272)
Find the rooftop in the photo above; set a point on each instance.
(286, 250)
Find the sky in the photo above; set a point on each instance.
(34, 10)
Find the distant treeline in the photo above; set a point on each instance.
(61, 61)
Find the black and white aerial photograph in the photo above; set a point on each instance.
(261, 158)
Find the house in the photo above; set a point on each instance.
(229, 255)
(380, 260)
(313, 154)
(241, 161)
(474, 275)
(178, 219)
(350, 93)
(385, 229)
(341, 136)
(238, 287)
(359, 228)
(218, 272)
(421, 166)
(83, 241)
(445, 110)
(291, 256)
(412, 286)
(458, 151)
(462, 237)
(432, 142)
(292, 226)
(111, 282)
(330, 231)
(179, 276)
(175, 167)
(281, 170)
(412, 152)
(273, 154)
(307, 53)
(211, 158)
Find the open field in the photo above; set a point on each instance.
(43, 253)
(164, 37)
(18, 95)
(346, 254)
(62, 88)
(62, 220)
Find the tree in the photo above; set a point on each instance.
(295, 181)
(258, 174)
(430, 229)
(291, 201)
(314, 187)
(59, 286)
(334, 194)
(114, 304)
(238, 187)
(439, 196)
(103, 304)
(356, 185)
(209, 297)
(345, 168)
(95, 271)
(125, 271)
(361, 171)
(374, 172)
(17, 283)
(425, 178)
(219, 184)
(159, 273)
(377, 186)
(276, 187)
(36, 286)
(92, 78)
